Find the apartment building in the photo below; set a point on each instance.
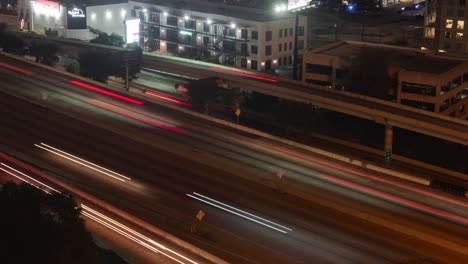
(423, 80)
(233, 35)
(446, 26)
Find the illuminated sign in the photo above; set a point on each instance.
(76, 17)
(187, 33)
(296, 4)
(132, 30)
(75, 12)
(47, 8)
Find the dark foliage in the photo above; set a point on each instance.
(42, 228)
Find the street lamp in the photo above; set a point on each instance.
(283, 8)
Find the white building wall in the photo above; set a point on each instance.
(108, 18)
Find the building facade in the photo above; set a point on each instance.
(199, 29)
(446, 26)
(423, 80)
(231, 35)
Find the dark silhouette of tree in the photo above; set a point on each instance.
(113, 39)
(203, 92)
(43, 228)
(44, 51)
(261, 102)
(295, 116)
(369, 74)
(12, 43)
(99, 65)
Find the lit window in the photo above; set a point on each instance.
(449, 23)
(460, 24)
(459, 36)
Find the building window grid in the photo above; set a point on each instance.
(180, 40)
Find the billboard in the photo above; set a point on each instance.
(76, 17)
(47, 8)
(295, 4)
(132, 30)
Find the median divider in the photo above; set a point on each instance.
(98, 202)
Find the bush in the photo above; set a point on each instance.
(73, 68)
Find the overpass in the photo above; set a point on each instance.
(383, 112)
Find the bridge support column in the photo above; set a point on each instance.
(388, 143)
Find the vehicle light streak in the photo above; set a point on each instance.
(83, 162)
(132, 234)
(137, 118)
(183, 89)
(239, 212)
(155, 116)
(27, 176)
(394, 198)
(18, 177)
(107, 92)
(245, 74)
(167, 98)
(372, 177)
(14, 68)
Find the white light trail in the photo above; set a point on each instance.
(29, 177)
(83, 162)
(16, 176)
(244, 212)
(241, 215)
(132, 234)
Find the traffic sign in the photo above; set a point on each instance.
(200, 215)
(388, 154)
(238, 112)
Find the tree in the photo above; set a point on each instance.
(296, 116)
(99, 65)
(203, 92)
(44, 51)
(45, 228)
(12, 43)
(73, 68)
(113, 39)
(369, 73)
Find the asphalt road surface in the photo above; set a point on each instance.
(167, 155)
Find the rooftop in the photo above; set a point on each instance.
(410, 59)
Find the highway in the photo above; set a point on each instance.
(167, 158)
(384, 112)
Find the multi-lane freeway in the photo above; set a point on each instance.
(164, 166)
